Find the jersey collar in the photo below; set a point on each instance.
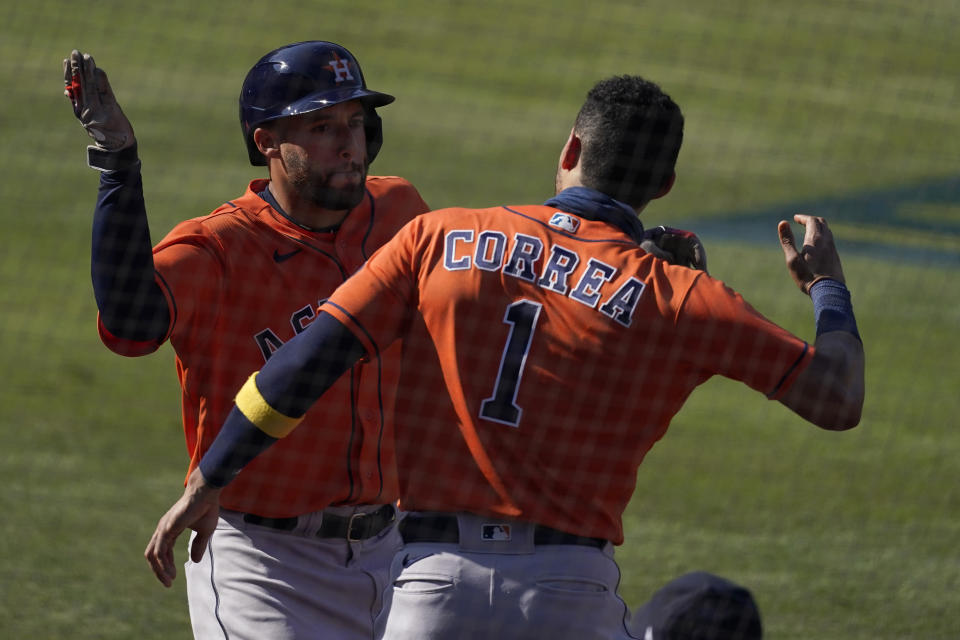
(269, 198)
(594, 205)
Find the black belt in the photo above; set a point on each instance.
(445, 529)
(359, 526)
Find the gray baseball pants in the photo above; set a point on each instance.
(496, 583)
(257, 582)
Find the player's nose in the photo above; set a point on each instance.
(352, 143)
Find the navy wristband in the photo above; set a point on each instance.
(832, 308)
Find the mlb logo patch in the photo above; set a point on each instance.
(495, 532)
(565, 222)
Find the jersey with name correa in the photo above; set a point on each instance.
(545, 354)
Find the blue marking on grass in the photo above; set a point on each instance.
(888, 209)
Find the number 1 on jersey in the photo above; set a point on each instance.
(502, 406)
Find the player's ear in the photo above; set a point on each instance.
(667, 185)
(570, 156)
(267, 142)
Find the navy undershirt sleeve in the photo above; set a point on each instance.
(307, 365)
(238, 442)
(132, 305)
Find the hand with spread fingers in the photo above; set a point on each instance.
(817, 259)
(676, 246)
(94, 104)
(198, 509)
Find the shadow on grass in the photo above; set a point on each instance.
(917, 223)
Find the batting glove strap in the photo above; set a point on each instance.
(103, 160)
(832, 308)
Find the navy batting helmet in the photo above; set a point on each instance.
(304, 77)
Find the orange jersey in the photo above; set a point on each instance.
(548, 356)
(239, 283)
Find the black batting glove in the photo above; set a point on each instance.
(676, 246)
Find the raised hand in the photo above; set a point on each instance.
(94, 104)
(817, 259)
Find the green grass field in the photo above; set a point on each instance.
(840, 535)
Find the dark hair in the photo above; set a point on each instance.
(631, 132)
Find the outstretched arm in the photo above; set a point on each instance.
(268, 407)
(198, 509)
(131, 303)
(830, 391)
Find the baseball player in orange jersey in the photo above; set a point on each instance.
(303, 544)
(564, 349)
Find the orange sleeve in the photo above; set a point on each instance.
(123, 346)
(725, 335)
(190, 271)
(376, 303)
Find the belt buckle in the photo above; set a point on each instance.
(353, 518)
(373, 515)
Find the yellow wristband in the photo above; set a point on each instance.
(255, 408)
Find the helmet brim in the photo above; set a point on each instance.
(324, 99)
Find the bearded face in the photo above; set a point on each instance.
(338, 188)
(323, 155)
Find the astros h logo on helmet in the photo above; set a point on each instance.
(340, 68)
